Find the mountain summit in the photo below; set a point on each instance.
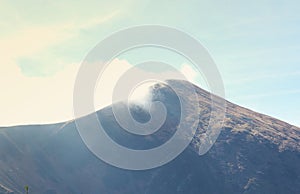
(254, 153)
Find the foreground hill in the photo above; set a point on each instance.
(254, 153)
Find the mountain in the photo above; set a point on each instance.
(254, 153)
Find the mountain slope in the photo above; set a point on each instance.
(254, 153)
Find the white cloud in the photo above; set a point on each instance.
(189, 72)
(28, 100)
(38, 99)
(194, 76)
(35, 99)
(116, 69)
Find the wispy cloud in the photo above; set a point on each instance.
(31, 41)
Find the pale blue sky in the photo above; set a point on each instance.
(255, 44)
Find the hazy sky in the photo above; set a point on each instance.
(255, 44)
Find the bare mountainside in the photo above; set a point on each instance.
(254, 153)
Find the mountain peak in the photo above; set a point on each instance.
(237, 120)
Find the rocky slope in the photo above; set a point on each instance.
(254, 153)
